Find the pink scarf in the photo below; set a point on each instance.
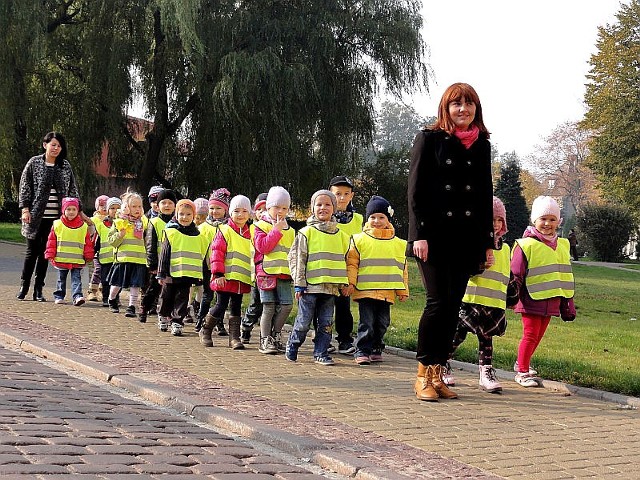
(467, 137)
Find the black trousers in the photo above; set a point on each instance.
(151, 294)
(174, 300)
(343, 319)
(445, 285)
(34, 256)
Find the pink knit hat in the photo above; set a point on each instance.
(501, 212)
(544, 206)
(185, 202)
(202, 206)
(69, 202)
(101, 200)
(220, 197)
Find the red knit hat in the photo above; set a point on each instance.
(70, 201)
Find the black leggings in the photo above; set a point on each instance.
(445, 285)
(34, 257)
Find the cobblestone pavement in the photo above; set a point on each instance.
(367, 413)
(53, 424)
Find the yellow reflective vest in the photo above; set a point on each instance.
(382, 262)
(132, 249)
(354, 226)
(105, 254)
(237, 262)
(275, 262)
(208, 230)
(187, 253)
(489, 288)
(70, 243)
(549, 271)
(158, 225)
(326, 257)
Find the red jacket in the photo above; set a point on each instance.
(52, 244)
(219, 253)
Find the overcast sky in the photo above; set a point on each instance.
(526, 60)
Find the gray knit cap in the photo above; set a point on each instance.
(328, 194)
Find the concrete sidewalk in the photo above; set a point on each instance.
(361, 421)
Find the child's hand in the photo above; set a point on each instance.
(123, 232)
(280, 223)
(161, 281)
(348, 290)
(221, 282)
(402, 298)
(490, 258)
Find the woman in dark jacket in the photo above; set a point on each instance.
(450, 224)
(45, 181)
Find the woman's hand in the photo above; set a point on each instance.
(26, 216)
(421, 249)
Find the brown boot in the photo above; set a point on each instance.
(438, 384)
(207, 330)
(423, 388)
(92, 293)
(234, 333)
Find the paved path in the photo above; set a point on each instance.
(53, 424)
(364, 413)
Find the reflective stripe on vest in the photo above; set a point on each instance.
(187, 253)
(382, 262)
(132, 249)
(354, 226)
(549, 271)
(275, 262)
(326, 258)
(70, 243)
(158, 226)
(105, 254)
(237, 262)
(489, 288)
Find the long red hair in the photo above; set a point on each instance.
(453, 93)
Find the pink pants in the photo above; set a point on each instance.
(533, 328)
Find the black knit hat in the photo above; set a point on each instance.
(166, 194)
(379, 205)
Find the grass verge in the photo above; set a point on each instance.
(11, 232)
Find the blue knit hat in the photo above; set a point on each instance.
(378, 204)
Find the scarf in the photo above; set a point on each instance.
(138, 229)
(467, 137)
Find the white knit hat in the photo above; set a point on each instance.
(240, 201)
(542, 206)
(278, 197)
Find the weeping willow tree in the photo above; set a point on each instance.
(241, 94)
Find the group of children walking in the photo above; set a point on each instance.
(180, 255)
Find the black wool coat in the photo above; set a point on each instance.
(450, 195)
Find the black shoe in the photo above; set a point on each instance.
(113, 306)
(105, 302)
(130, 312)
(142, 317)
(22, 293)
(37, 295)
(245, 335)
(220, 330)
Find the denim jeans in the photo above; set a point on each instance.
(76, 283)
(312, 306)
(375, 317)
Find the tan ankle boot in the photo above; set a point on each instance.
(438, 384)
(423, 387)
(207, 330)
(234, 333)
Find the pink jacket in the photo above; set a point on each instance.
(218, 255)
(552, 307)
(264, 243)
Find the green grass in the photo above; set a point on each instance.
(600, 349)
(11, 232)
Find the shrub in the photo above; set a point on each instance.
(606, 230)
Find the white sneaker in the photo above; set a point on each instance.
(531, 370)
(488, 380)
(59, 301)
(267, 346)
(176, 329)
(526, 380)
(163, 324)
(447, 376)
(79, 301)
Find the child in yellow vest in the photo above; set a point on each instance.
(483, 306)
(195, 295)
(230, 271)
(272, 239)
(377, 271)
(129, 268)
(541, 267)
(69, 246)
(350, 222)
(104, 248)
(165, 201)
(319, 271)
(93, 268)
(183, 251)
